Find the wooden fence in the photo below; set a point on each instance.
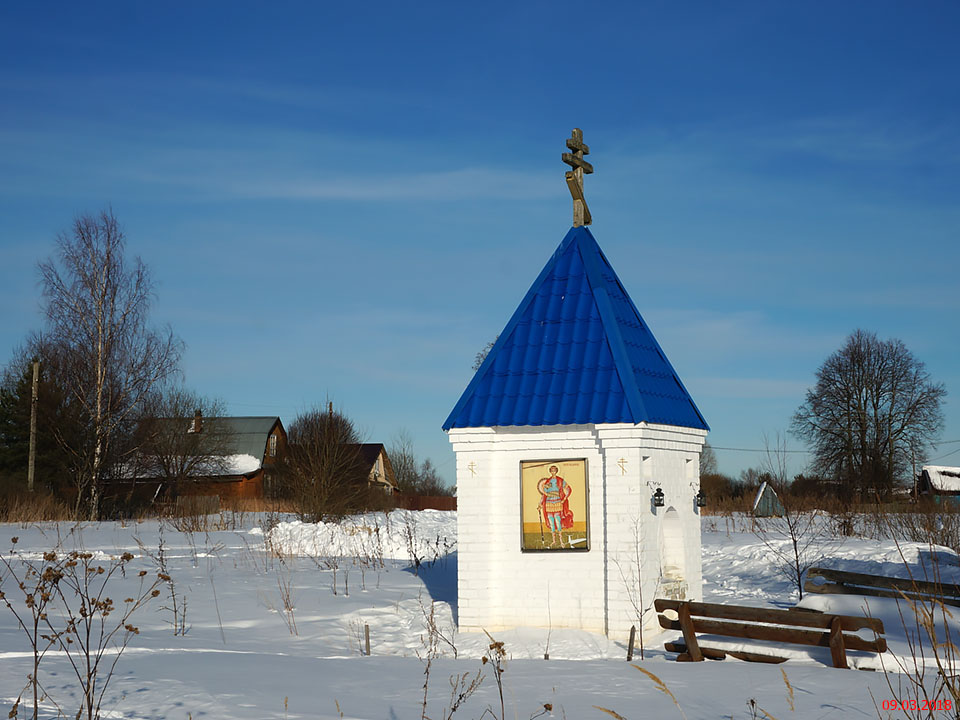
(425, 502)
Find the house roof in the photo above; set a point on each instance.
(241, 452)
(369, 452)
(247, 435)
(767, 503)
(943, 479)
(575, 351)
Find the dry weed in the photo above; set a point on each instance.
(25, 508)
(662, 687)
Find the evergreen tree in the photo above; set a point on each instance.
(53, 465)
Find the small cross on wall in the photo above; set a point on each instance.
(622, 463)
(581, 213)
(472, 467)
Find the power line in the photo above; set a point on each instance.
(952, 452)
(801, 452)
(772, 450)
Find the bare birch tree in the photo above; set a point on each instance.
(97, 304)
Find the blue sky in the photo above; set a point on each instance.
(349, 201)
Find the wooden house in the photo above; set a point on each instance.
(940, 483)
(381, 476)
(253, 447)
(237, 464)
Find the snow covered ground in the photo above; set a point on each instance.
(275, 616)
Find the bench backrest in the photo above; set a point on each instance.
(800, 627)
(841, 582)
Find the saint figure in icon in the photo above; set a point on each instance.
(554, 506)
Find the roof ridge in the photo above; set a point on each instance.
(611, 328)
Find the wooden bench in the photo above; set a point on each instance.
(795, 626)
(840, 582)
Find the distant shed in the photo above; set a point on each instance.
(767, 503)
(940, 483)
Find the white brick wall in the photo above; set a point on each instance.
(499, 586)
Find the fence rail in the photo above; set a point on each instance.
(426, 502)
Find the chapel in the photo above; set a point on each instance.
(577, 450)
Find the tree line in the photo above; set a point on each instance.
(111, 403)
(870, 421)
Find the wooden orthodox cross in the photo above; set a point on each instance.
(581, 213)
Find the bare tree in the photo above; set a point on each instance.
(182, 436)
(323, 468)
(872, 414)
(482, 355)
(708, 461)
(799, 538)
(97, 304)
(429, 481)
(404, 460)
(414, 477)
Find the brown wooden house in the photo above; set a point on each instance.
(237, 461)
(381, 475)
(939, 483)
(253, 447)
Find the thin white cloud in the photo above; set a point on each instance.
(861, 140)
(909, 295)
(747, 388)
(850, 140)
(250, 164)
(724, 336)
(458, 184)
(281, 95)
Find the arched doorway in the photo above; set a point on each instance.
(673, 582)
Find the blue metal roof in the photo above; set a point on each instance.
(576, 351)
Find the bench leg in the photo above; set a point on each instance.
(837, 649)
(689, 635)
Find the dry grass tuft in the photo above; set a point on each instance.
(33, 507)
(610, 712)
(662, 687)
(786, 682)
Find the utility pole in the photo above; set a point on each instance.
(31, 462)
(913, 464)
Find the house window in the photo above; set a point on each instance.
(272, 446)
